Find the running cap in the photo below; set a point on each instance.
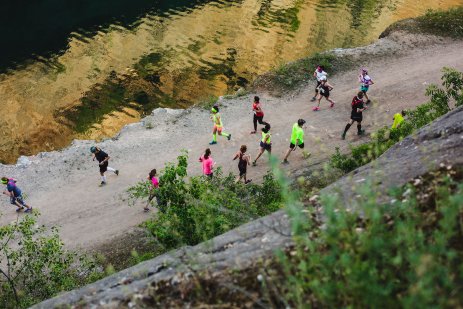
(93, 149)
(4, 180)
(364, 70)
(215, 109)
(301, 122)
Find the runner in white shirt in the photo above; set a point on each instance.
(365, 82)
(318, 74)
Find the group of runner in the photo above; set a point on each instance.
(322, 89)
(265, 143)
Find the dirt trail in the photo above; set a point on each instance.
(64, 185)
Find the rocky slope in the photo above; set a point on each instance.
(214, 263)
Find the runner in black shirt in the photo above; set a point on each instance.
(358, 107)
(103, 159)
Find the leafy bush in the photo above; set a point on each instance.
(35, 266)
(343, 162)
(442, 101)
(404, 253)
(196, 209)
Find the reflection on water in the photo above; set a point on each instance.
(172, 57)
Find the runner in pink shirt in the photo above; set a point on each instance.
(208, 163)
(154, 182)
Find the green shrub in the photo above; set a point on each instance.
(196, 209)
(343, 162)
(404, 253)
(35, 266)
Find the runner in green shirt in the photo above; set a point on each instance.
(297, 139)
(398, 119)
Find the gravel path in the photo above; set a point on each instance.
(63, 185)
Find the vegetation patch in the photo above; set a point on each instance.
(405, 252)
(196, 209)
(292, 75)
(35, 266)
(448, 23)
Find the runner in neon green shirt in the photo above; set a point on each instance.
(297, 139)
(398, 119)
(218, 126)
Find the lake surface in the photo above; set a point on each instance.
(83, 69)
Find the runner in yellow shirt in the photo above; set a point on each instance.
(398, 119)
(218, 126)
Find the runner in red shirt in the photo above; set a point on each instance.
(358, 107)
(258, 114)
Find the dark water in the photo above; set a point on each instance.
(40, 28)
(84, 69)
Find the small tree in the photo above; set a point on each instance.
(195, 209)
(34, 266)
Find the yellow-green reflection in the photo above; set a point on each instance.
(103, 82)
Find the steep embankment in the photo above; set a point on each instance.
(204, 274)
(63, 185)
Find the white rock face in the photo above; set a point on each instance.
(23, 162)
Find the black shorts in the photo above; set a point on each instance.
(267, 147)
(242, 171)
(300, 146)
(104, 167)
(318, 85)
(325, 94)
(356, 117)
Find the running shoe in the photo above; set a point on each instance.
(213, 143)
(247, 181)
(19, 209)
(313, 99)
(332, 105)
(361, 132)
(343, 136)
(254, 163)
(285, 162)
(229, 137)
(146, 209)
(29, 210)
(368, 101)
(102, 183)
(316, 108)
(117, 172)
(252, 132)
